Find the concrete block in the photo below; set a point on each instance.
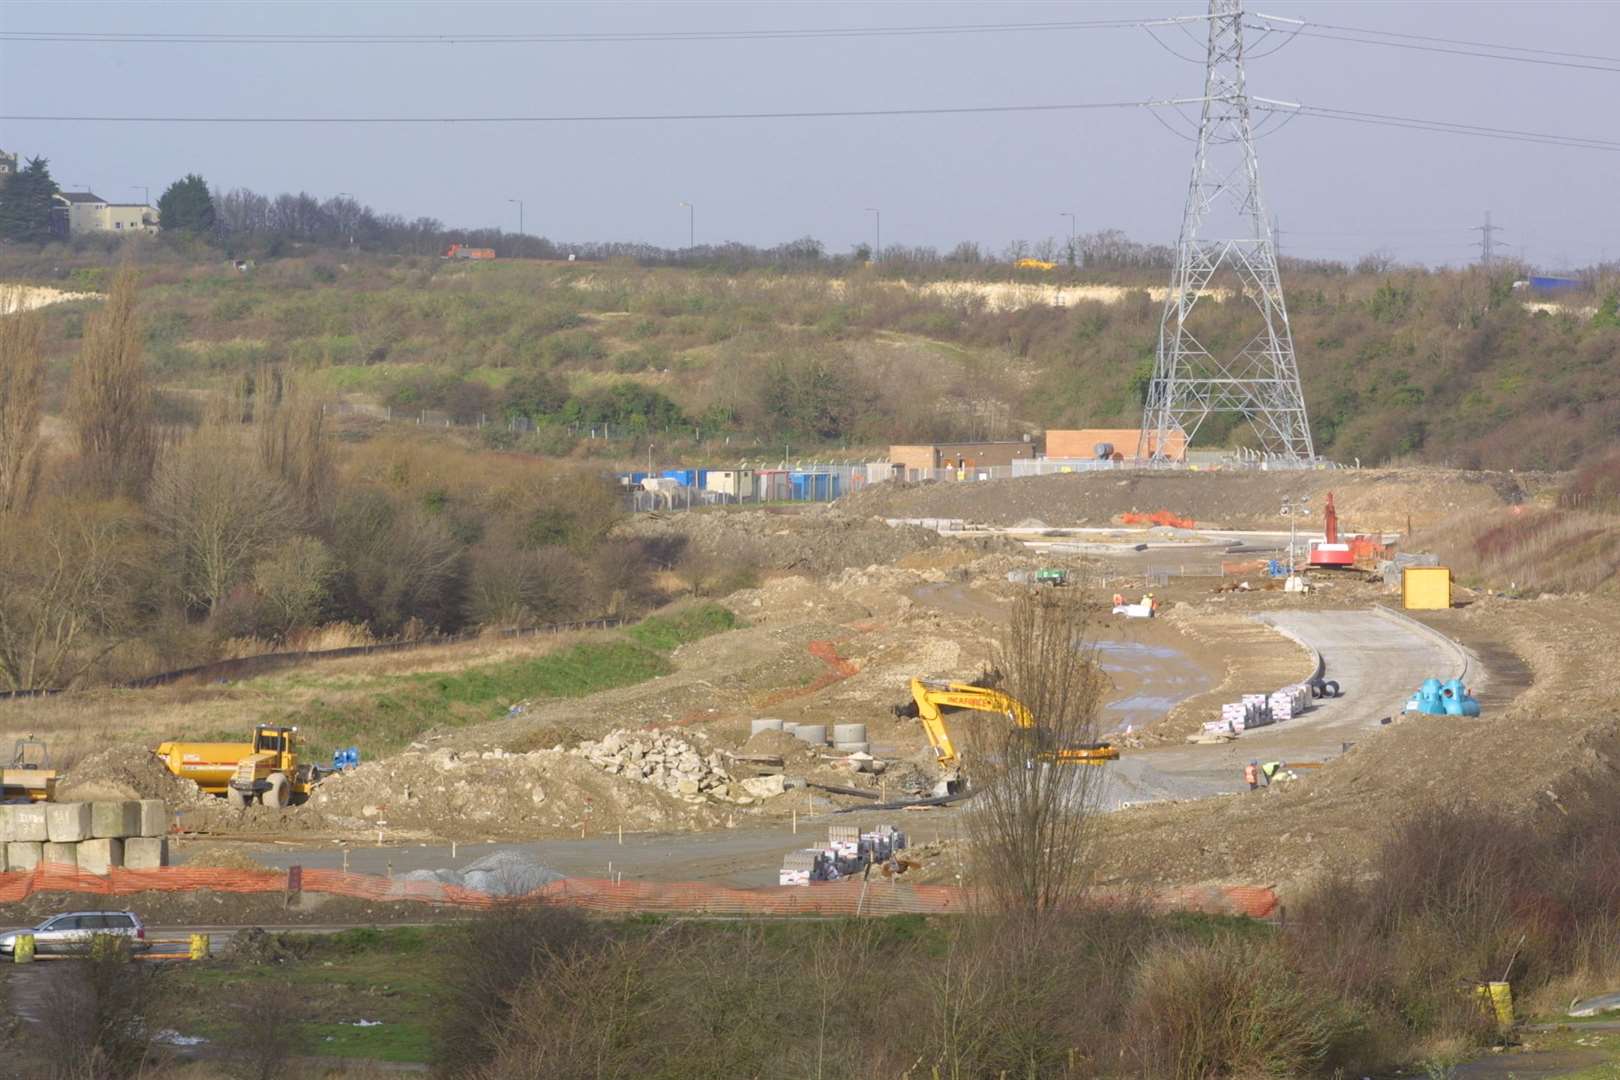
(67, 822)
(154, 817)
(5, 864)
(99, 856)
(60, 854)
(28, 823)
(5, 823)
(115, 819)
(146, 852)
(23, 854)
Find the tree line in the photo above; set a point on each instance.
(137, 543)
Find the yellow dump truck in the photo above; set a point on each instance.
(29, 776)
(266, 770)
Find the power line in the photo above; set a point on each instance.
(102, 37)
(1612, 66)
(807, 114)
(1448, 127)
(1461, 42)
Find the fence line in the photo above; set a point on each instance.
(849, 897)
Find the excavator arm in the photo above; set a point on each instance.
(930, 697)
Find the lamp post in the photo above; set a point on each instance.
(347, 219)
(691, 228)
(520, 215)
(1070, 215)
(877, 233)
(146, 193)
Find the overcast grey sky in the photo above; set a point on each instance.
(1339, 189)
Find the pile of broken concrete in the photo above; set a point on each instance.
(661, 759)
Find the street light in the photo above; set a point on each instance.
(691, 230)
(350, 196)
(146, 193)
(1070, 215)
(877, 233)
(520, 215)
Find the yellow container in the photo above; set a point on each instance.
(199, 946)
(1426, 588)
(22, 949)
(1498, 998)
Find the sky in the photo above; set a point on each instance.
(1338, 189)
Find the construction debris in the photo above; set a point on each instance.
(661, 759)
(848, 851)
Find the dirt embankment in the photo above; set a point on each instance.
(1383, 499)
(815, 540)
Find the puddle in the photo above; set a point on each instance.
(1149, 680)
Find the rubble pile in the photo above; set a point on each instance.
(661, 759)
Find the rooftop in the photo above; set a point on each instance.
(79, 197)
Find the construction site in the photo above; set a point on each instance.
(443, 651)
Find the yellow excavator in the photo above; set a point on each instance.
(931, 697)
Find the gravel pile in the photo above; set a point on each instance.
(661, 759)
(500, 873)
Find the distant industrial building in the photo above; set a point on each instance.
(81, 213)
(920, 461)
(1085, 444)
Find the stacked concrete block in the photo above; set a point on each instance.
(24, 854)
(100, 856)
(95, 837)
(28, 823)
(154, 817)
(114, 820)
(146, 852)
(55, 854)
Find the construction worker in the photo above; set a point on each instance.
(1270, 770)
(1251, 775)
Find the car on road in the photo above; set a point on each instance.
(75, 931)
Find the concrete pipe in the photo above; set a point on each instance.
(845, 733)
(815, 734)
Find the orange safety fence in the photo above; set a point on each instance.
(1158, 517)
(852, 896)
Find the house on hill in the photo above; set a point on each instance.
(81, 213)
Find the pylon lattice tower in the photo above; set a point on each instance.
(1225, 224)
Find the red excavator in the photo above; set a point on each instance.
(1350, 550)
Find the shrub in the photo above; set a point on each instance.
(1232, 1007)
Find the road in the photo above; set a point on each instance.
(1377, 658)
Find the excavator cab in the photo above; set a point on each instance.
(30, 753)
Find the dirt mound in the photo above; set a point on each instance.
(498, 794)
(1367, 499)
(778, 744)
(500, 873)
(127, 773)
(816, 541)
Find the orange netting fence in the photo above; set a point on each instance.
(877, 896)
(1158, 517)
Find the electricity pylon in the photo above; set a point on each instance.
(1225, 224)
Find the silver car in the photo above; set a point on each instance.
(75, 931)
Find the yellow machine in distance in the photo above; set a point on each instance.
(265, 771)
(29, 776)
(929, 699)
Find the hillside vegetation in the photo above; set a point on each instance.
(1446, 366)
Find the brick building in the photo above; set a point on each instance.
(918, 461)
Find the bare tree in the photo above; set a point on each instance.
(1028, 825)
(109, 402)
(291, 434)
(218, 511)
(22, 396)
(68, 575)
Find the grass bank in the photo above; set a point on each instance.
(384, 714)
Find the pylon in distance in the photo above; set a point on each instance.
(1225, 225)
